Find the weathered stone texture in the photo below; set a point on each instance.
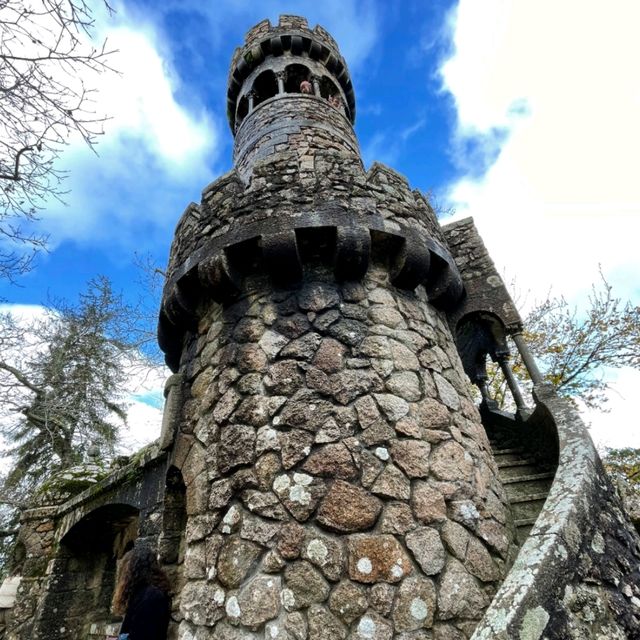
(331, 488)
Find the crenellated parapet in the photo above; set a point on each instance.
(332, 211)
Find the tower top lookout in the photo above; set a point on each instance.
(275, 60)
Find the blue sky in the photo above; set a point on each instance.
(521, 113)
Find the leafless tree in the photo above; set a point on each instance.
(48, 65)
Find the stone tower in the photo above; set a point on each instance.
(328, 440)
(323, 472)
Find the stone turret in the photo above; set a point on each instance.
(328, 441)
(268, 73)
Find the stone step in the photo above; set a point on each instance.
(510, 459)
(513, 472)
(520, 488)
(528, 509)
(515, 461)
(530, 497)
(530, 477)
(499, 451)
(525, 480)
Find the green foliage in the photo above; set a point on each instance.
(573, 348)
(624, 464)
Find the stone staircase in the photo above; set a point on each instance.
(527, 483)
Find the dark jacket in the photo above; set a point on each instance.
(147, 616)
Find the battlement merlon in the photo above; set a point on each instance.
(227, 236)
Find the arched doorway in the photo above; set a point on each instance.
(82, 578)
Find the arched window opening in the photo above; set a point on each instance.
(17, 559)
(264, 87)
(482, 335)
(328, 88)
(172, 539)
(174, 518)
(243, 109)
(295, 75)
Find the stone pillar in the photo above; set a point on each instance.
(527, 358)
(280, 79)
(512, 383)
(316, 85)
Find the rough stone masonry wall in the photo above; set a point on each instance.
(339, 482)
(36, 543)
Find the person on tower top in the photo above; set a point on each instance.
(335, 101)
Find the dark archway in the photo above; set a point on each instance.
(328, 88)
(294, 75)
(478, 335)
(265, 86)
(243, 109)
(83, 574)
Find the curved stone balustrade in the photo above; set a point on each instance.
(580, 560)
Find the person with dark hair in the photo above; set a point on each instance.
(142, 595)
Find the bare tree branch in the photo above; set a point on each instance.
(48, 65)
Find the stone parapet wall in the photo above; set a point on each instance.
(578, 574)
(286, 24)
(323, 188)
(303, 124)
(338, 478)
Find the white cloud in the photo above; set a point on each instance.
(144, 392)
(150, 138)
(620, 426)
(561, 79)
(140, 100)
(547, 97)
